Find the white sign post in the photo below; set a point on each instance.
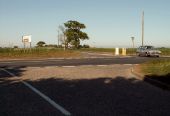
(116, 51)
(26, 39)
(124, 51)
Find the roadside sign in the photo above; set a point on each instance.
(26, 39)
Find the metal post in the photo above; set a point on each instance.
(24, 45)
(133, 42)
(142, 28)
(30, 45)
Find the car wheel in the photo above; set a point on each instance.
(147, 54)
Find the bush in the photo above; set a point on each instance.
(86, 46)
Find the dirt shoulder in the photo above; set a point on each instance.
(137, 70)
(78, 72)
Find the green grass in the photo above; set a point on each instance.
(36, 53)
(165, 51)
(58, 52)
(98, 49)
(156, 67)
(129, 51)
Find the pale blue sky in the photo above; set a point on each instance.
(110, 23)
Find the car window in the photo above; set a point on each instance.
(149, 47)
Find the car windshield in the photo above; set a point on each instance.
(149, 47)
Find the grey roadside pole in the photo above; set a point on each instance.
(133, 43)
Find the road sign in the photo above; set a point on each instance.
(26, 39)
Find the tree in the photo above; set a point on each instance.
(41, 43)
(74, 34)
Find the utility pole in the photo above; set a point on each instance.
(58, 37)
(133, 43)
(133, 38)
(142, 28)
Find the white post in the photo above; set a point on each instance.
(142, 28)
(116, 51)
(124, 51)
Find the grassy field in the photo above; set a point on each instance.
(156, 67)
(98, 49)
(58, 52)
(129, 51)
(37, 53)
(165, 51)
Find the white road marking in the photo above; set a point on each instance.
(57, 106)
(127, 64)
(101, 65)
(86, 65)
(54, 104)
(68, 66)
(34, 61)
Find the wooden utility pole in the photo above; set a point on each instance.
(142, 28)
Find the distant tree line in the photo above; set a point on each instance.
(43, 44)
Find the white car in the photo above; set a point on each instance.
(148, 51)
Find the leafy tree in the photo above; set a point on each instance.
(41, 43)
(74, 34)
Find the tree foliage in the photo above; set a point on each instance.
(41, 43)
(74, 34)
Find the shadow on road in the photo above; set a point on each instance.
(17, 71)
(7, 79)
(162, 81)
(102, 96)
(18, 100)
(106, 96)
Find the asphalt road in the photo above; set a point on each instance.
(77, 62)
(84, 97)
(102, 96)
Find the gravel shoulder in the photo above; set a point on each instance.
(77, 72)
